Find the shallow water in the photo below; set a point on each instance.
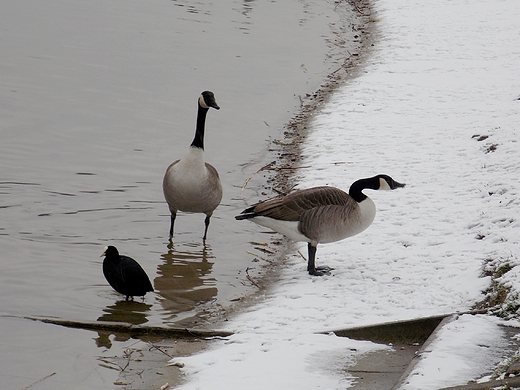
(98, 98)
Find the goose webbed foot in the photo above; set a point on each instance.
(311, 268)
(320, 271)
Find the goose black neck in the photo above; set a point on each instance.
(356, 189)
(198, 141)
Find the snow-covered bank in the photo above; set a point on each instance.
(436, 107)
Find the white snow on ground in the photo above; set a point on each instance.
(441, 72)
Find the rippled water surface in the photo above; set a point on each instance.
(97, 99)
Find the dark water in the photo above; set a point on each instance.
(97, 99)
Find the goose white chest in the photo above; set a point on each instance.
(190, 185)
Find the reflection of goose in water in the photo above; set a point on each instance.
(184, 280)
(130, 312)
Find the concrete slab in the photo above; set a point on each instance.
(389, 369)
(382, 370)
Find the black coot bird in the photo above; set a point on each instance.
(124, 274)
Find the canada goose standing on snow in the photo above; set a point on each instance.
(320, 214)
(190, 184)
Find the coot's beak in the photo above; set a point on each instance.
(104, 252)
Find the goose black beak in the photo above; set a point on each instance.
(397, 185)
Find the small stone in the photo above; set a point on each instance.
(514, 369)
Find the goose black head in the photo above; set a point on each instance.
(387, 183)
(207, 100)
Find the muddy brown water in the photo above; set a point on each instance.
(97, 99)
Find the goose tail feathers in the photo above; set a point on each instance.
(247, 214)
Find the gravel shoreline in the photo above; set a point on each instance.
(282, 172)
(363, 32)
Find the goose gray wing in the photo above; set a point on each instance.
(292, 206)
(212, 170)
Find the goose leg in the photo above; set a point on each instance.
(206, 225)
(172, 221)
(311, 268)
(311, 264)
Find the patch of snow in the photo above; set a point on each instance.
(441, 73)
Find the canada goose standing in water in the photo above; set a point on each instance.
(190, 184)
(124, 274)
(320, 214)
